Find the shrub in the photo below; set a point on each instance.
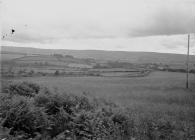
(23, 89)
(18, 117)
(56, 72)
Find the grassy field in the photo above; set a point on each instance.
(160, 91)
(7, 57)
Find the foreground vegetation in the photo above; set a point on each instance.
(30, 111)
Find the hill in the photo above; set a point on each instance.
(134, 57)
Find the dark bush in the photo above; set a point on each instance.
(23, 89)
(21, 116)
(56, 73)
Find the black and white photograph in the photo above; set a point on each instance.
(97, 70)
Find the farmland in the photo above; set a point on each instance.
(158, 87)
(30, 63)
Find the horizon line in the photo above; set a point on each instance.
(94, 50)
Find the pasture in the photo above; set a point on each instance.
(7, 57)
(159, 93)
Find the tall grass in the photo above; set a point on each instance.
(30, 111)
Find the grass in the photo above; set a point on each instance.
(162, 92)
(6, 57)
(165, 86)
(160, 97)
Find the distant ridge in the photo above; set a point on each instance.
(134, 57)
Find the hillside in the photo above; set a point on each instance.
(134, 57)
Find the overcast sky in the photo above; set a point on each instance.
(127, 25)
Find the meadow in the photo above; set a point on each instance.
(160, 92)
(158, 87)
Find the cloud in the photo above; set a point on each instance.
(103, 24)
(169, 19)
(174, 42)
(99, 19)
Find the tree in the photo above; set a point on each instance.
(56, 72)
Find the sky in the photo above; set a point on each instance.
(117, 25)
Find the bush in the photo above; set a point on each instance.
(23, 88)
(56, 73)
(23, 117)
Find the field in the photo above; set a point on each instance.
(28, 62)
(8, 57)
(158, 92)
